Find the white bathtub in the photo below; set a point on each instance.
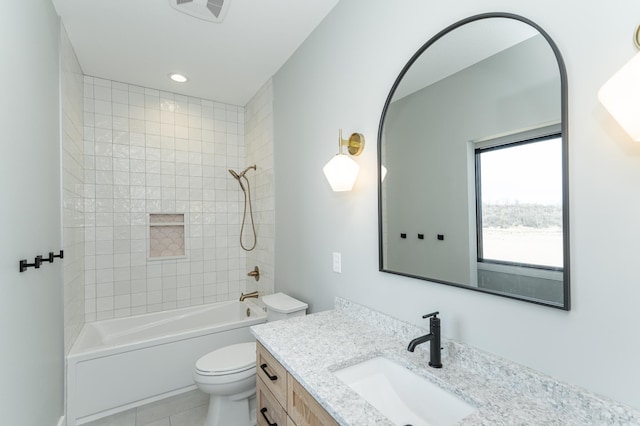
(119, 364)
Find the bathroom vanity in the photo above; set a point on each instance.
(281, 399)
(308, 353)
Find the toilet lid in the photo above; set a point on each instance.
(228, 360)
(280, 302)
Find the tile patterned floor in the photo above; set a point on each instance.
(187, 409)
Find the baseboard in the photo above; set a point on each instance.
(61, 421)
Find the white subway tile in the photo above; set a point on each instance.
(152, 114)
(181, 132)
(154, 298)
(138, 246)
(136, 126)
(152, 128)
(122, 263)
(104, 262)
(158, 151)
(120, 94)
(139, 299)
(136, 89)
(120, 123)
(122, 301)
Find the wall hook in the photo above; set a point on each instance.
(52, 256)
(36, 264)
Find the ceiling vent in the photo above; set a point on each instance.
(208, 10)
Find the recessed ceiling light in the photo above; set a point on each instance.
(178, 78)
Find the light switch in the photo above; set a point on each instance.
(337, 262)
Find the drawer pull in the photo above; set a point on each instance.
(263, 411)
(264, 368)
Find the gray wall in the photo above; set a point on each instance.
(340, 77)
(31, 320)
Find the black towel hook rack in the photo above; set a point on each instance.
(37, 262)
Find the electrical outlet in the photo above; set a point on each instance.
(337, 262)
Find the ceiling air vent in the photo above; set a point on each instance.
(209, 10)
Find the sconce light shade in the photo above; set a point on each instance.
(620, 95)
(341, 172)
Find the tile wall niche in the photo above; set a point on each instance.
(71, 93)
(147, 151)
(259, 142)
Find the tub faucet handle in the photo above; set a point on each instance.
(255, 273)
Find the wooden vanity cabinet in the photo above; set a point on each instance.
(281, 400)
(269, 410)
(272, 373)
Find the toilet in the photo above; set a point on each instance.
(228, 374)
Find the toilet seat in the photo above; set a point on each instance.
(230, 360)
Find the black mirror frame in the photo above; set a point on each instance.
(566, 305)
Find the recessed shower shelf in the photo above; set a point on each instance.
(167, 236)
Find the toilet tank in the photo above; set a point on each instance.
(280, 306)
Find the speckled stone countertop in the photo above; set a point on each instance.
(505, 393)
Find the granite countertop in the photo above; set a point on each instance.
(312, 347)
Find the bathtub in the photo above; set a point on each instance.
(119, 364)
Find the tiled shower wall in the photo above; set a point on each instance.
(259, 140)
(71, 87)
(147, 151)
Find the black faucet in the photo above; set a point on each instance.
(433, 337)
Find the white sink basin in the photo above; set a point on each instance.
(402, 396)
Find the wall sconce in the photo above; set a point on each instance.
(620, 95)
(341, 171)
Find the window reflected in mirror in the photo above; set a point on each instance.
(519, 203)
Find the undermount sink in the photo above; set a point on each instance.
(402, 396)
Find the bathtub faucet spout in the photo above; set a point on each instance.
(248, 295)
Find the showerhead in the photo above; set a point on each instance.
(240, 175)
(237, 177)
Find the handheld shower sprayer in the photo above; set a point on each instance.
(247, 194)
(237, 177)
(242, 173)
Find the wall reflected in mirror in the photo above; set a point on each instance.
(473, 139)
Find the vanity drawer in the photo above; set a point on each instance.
(269, 411)
(303, 409)
(272, 373)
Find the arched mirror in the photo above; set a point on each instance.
(472, 151)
